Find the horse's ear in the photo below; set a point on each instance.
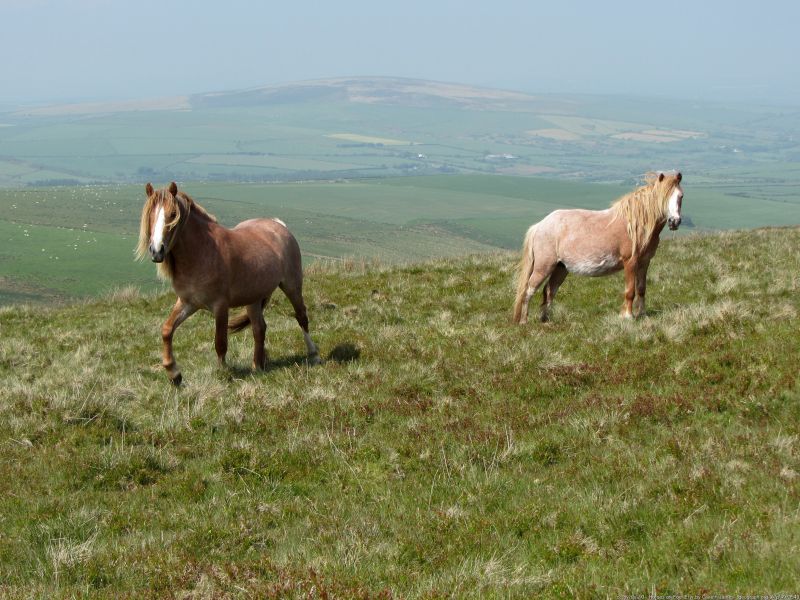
(660, 176)
(678, 177)
(148, 189)
(173, 189)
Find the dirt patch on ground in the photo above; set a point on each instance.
(367, 139)
(561, 135)
(659, 136)
(527, 170)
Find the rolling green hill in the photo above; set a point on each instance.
(438, 452)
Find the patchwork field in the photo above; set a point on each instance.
(381, 127)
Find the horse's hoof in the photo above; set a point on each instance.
(314, 360)
(176, 381)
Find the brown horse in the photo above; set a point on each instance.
(216, 268)
(590, 242)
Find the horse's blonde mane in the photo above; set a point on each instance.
(179, 204)
(646, 207)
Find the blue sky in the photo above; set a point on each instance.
(81, 50)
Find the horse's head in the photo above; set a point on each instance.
(675, 201)
(160, 217)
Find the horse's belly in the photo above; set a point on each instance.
(593, 266)
(254, 283)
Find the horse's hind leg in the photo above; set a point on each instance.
(295, 295)
(537, 278)
(550, 290)
(256, 314)
(221, 333)
(641, 288)
(180, 312)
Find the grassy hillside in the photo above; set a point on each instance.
(439, 451)
(68, 242)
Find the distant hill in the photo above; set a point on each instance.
(439, 452)
(371, 90)
(358, 90)
(356, 127)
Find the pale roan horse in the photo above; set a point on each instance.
(594, 243)
(215, 268)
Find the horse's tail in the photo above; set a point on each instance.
(525, 269)
(242, 321)
(238, 323)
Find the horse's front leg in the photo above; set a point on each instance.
(180, 312)
(221, 333)
(641, 288)
(630, 289)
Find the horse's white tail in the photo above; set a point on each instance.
(525, 270)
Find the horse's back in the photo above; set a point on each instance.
(263, 224)
(272, 232)
(571, 217)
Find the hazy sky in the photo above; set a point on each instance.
(54, 51)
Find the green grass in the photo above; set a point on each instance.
(438, 452)
(59, 263)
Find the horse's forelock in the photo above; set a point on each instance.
(662, 186)
(172, 204)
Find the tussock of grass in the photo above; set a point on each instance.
(438, 451)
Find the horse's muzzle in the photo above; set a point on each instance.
(673, 224)
(157, 256)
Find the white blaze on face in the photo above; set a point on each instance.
(158, 229)
(674, 206)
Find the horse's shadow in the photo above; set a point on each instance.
(344, 353)
(341, 353)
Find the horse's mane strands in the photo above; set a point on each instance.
(194, 206)
(182, 205)
(645, 208)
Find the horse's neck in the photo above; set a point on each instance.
(653, 240)
(196, 239)
(198, 224)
